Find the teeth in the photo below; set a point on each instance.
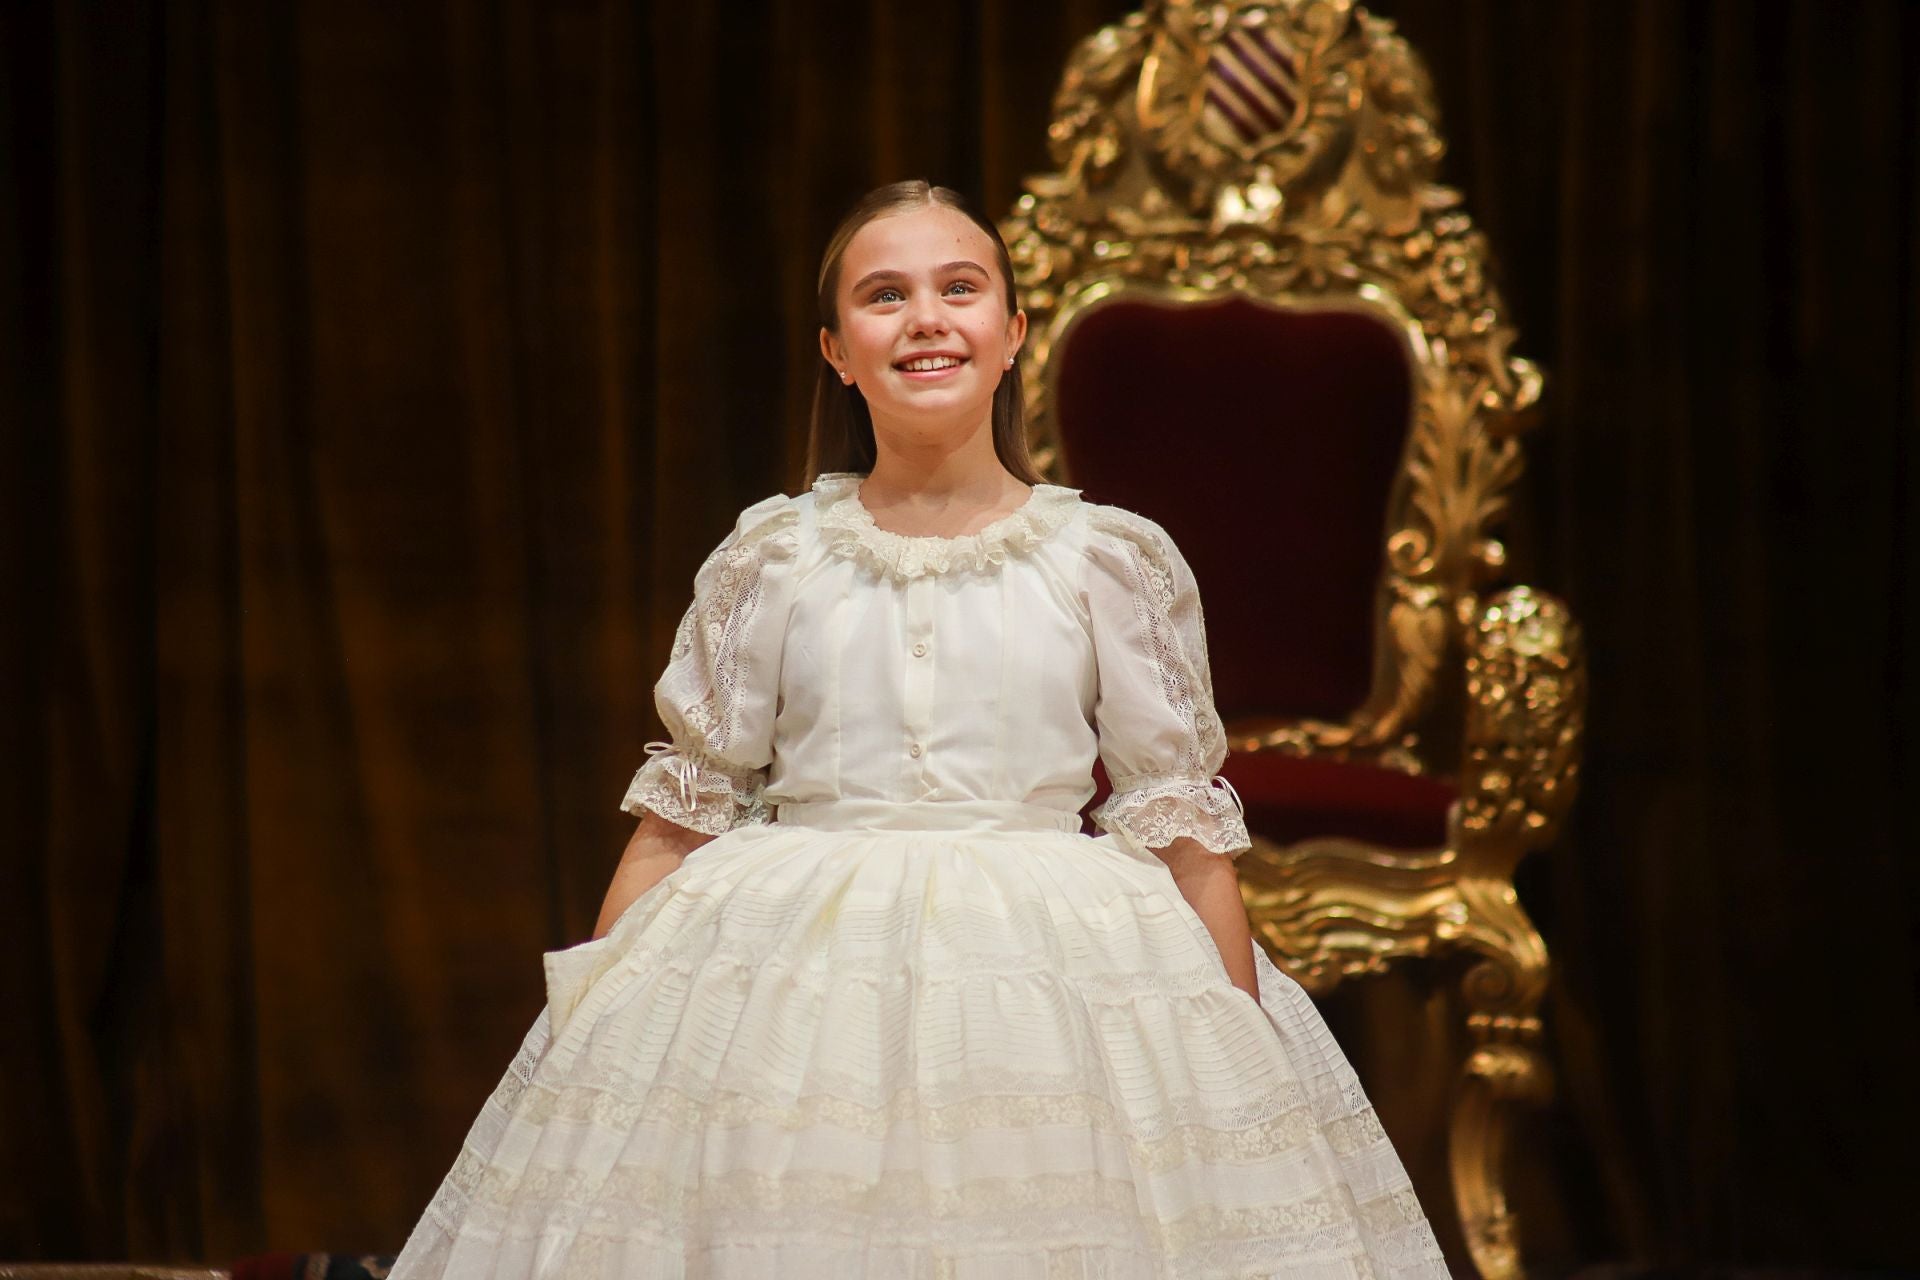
(932, 362)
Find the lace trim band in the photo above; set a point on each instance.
(849, 531)
(696, 792)
(1153, 814)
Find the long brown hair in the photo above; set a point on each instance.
(840, 437)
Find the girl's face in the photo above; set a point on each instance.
(924, 329)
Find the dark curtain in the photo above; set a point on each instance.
(1708, 216)
(376, 376)
(373, 377)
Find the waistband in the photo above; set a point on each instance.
(926, 815)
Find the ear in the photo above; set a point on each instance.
(1016, 332)
(830, 348)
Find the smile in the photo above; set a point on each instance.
(929, 364)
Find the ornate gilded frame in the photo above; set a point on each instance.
(1288, 152)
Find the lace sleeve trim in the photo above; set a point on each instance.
(1151, 814)
(696, 792)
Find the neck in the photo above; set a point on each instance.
(950, 465)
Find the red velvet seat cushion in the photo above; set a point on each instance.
(1289, 799)
(1267, 442)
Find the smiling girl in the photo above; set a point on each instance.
(862, 999)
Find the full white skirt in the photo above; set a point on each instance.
(983, 1054)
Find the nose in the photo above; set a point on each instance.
(926, 317)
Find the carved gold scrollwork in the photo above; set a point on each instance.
(1526, 698)
(1339, 908)
(1287, 152)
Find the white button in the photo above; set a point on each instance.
(914, 751)
(920, 650)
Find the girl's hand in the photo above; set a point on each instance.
(654, 852)
(1211, 885)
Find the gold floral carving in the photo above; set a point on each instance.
(1324, 194)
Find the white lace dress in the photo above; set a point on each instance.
(901, 1019)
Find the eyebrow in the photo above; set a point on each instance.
(873, 277)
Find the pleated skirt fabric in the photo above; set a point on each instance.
(976, 1055)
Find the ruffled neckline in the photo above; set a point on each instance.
(851, 533)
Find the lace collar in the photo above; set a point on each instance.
(851, 533)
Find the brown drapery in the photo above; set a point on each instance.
(374, 376)
(1708, 213)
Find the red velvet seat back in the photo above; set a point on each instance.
(1267, 443)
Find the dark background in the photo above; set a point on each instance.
(373, 376)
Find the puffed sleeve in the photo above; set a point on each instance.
(1160, 738)
(718, 694)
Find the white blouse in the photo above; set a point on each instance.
(826, 659)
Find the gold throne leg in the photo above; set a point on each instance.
(1504, 1069)
(1526, 692)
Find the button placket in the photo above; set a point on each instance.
(918, 700)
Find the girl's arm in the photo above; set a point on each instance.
(653, 853)
(1160, 735)
(716, 698)
(1211, 886)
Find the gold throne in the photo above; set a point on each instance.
(1258, 319)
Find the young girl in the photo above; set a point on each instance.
(862, 1000)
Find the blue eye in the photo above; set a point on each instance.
(883, 295)
(960, 284)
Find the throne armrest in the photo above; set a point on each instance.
(1526, 684)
